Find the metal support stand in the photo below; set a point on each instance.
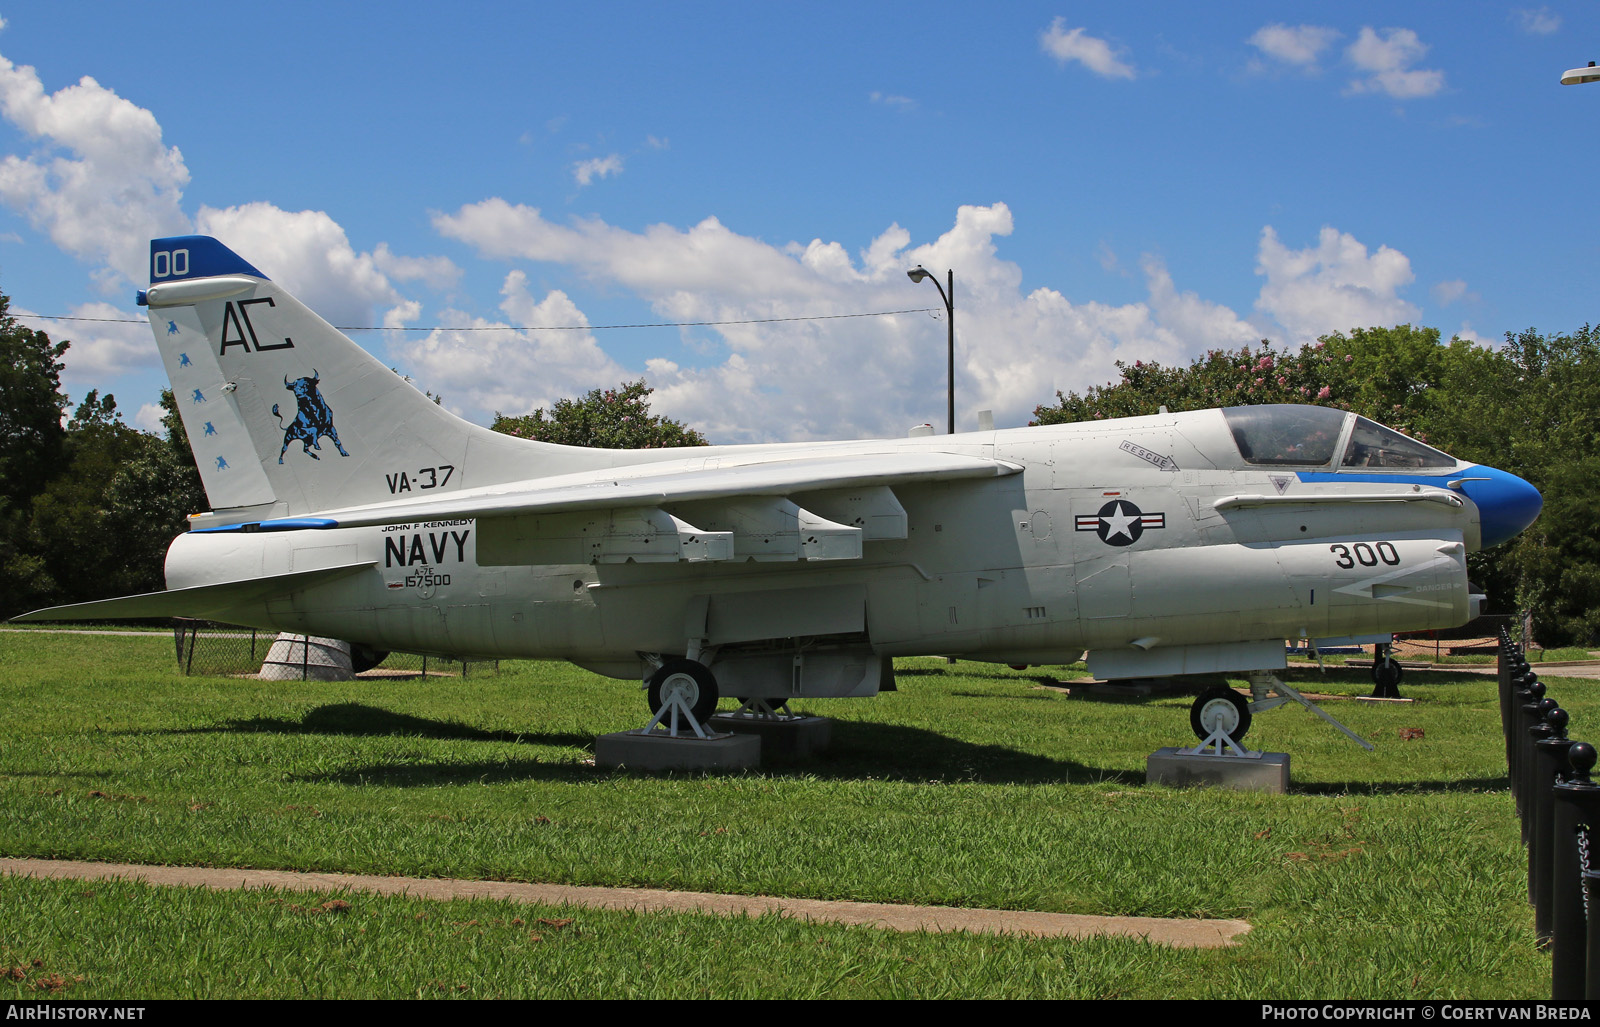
(1219, 743)
(673, 708)
(786, 736)
(767, 708)
(1263, 682)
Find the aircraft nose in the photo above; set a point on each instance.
(1506, 504)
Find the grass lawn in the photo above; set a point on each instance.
(1396, 874)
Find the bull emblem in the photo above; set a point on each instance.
(313, 420)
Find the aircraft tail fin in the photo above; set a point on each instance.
(286, 414)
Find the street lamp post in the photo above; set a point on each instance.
(917, 274)
(1581, 76)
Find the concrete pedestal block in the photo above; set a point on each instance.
(781, 740)
(1171, 766)
(298, 658)
(660, 751)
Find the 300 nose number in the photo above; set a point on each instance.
(1365, 554)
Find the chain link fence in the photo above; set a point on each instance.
(208, 648)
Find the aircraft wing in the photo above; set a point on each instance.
(648, 485)
(197, 601)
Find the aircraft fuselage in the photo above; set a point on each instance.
(1130, 534)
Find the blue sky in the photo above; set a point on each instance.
(1108, 181)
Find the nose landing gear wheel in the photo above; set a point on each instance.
(1386, 676)
(1220, 707)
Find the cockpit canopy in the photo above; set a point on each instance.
(1285, 435)
(1373, 445)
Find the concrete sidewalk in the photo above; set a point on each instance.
(1175, 933)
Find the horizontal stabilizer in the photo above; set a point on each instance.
(198, 601)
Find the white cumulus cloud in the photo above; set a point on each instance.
(815, 378)
(586, 171)
(481, 366)
(1446, 293)
(308, 253)
(436, 272)
(106, 343)
(1386, 60)
(1333, 286)
(1537, 22)
(1294, 44)
(1067, 45)
(894, 100)
(102, 182)
(148, 418)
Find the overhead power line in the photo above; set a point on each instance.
(543, 328)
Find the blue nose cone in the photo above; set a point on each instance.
(1506, 504)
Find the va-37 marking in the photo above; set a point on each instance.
(789, 570)
(423, 478)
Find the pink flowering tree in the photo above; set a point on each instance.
(1384, 373)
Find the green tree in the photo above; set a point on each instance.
(31, 444)
(70, 527)
(31, 404)
(1529, 407)
(150, 498)
(102, 525)
(617, 418)
(1388, 374)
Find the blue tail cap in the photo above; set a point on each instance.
(183, 257)
(1506, 504)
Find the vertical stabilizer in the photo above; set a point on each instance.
(284, 410)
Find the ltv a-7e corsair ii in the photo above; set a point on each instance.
(347, 504)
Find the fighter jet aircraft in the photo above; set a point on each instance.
(347, 504)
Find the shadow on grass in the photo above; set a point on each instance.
(865, 750)
(859, 751)
(361, 720)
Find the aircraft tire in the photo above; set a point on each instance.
(363, 657)
(1386, 674)
(690, 678)
(1220, 702)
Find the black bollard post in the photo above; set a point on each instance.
(1552, 761)
(1527, 715)
(1575, 799)
(1503, 665)
(1515, 696)
(1511, 665)
(1537, 784)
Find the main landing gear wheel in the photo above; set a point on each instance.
(686, 680)
(1220, 707)
(363, 657)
